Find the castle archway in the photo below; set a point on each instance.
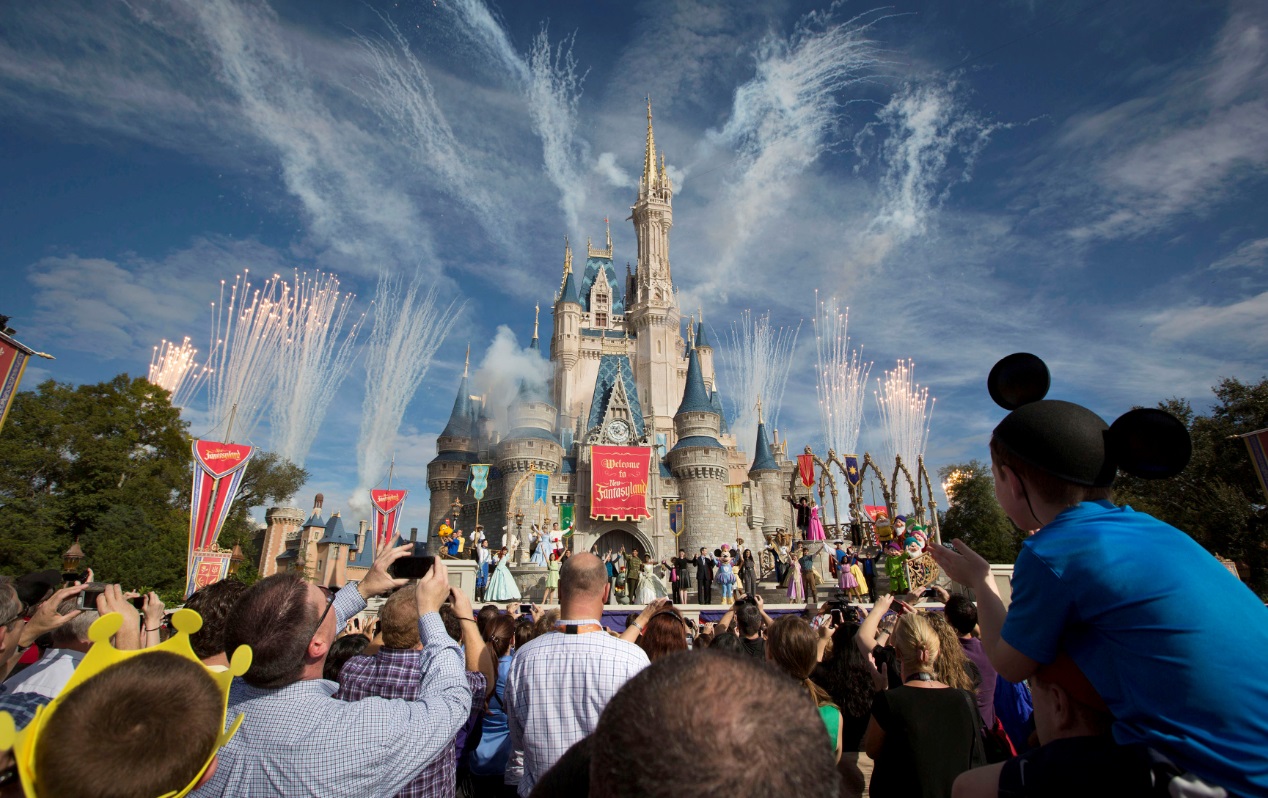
(614, 540)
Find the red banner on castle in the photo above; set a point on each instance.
(218, 471)
(806, 467)
(387, 514)
(13, 357)
(618, 482)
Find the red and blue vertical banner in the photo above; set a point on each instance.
(1257, 445)
(218, 471)
(479, 480)
(13, 358)
(387, 514)
(677, 520)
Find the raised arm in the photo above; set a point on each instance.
(634, 629)
(478, 657)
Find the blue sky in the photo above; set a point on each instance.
(1082, 180)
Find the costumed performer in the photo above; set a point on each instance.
(894, 562)
(816, 526)
(860, 579)
(725, 575)
(796, 588)
(846, 580)
(482, 557)
(650, 586)
(540, 555)
(552, 577)
(502, 585)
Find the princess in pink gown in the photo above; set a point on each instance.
(816, 526)
(795, 589)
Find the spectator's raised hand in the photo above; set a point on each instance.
(153, 609)
(379, 580)
(461, 603)
(433, 589)
(112, 599)
(963, 565)
(45, 619)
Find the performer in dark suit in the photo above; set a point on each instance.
(704, 577)
(682, 564)
(802, 506)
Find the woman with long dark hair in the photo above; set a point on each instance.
(923, 733)
(664, 633)
(748, 573)
(846, 677)
(793, 647)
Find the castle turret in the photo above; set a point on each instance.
(333, 550)
(530, 446)
(699, 462)
(565, 344)
(456, 448)
(706, 354)
(766, 477)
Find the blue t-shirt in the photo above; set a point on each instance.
(1172, 641)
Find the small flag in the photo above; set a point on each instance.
(806, 466)
(852, 474)
(677, 523)
(566, 521)
(479, 480)
(735, 500)
(541, 488)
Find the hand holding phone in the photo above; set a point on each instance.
(412, 567)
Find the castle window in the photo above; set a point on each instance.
(600, 319)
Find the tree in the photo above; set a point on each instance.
(1216, 499)
(270, 478)
(974, 515)
(103, 463)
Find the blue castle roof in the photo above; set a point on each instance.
(611, 369)
(701, 341)
(365, 554)
(594, 268)
(715, 401)
(570, 291)
(695, 397)
(335, 533)
(692, 441)
(521, 433)
(459, 425)
(763, 460)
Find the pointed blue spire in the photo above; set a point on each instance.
(701, 341)
(695, 397)
(763, 460)
(459, 425)
(715, 400)
(570, 291)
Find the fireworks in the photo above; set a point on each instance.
(248, 334)
(173, 369)
(314, 359)
(408, 329)
(759, 360)
(842, 378)
(905, 410)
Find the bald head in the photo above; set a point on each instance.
(582, 577)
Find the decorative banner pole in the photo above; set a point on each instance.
(387, 510)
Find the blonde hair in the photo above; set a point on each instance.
(913, 635)
(951, 667)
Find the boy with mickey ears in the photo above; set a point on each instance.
(1114, 589)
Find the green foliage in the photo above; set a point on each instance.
(1216, 499)
(110, 463)
(975, 516)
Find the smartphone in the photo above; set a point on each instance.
(412, 567)
(88, 599)
(837, 617)
(929, 593)
(138, 602)
(526, 609)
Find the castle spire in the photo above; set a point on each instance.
(466, 366)
(537, 309)
(608, 229)
(649, 157)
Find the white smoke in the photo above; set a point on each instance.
(615, 175)
(554, 89)
(504, 366)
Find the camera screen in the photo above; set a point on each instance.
(412, 567)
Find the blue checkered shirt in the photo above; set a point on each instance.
(395, 673)
(300, 740)
(556, 690)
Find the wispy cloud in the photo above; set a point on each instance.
(1250, 255)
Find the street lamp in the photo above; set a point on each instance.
(236, 559)
(519, 536)
(73, 558)
(455, 510)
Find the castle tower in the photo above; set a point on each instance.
(652, 313)
(333, 549)
(282, 526)
(766, 477)
(706, 355)
(565, 345)
(699, 463)
(530, 446)
(456, 449)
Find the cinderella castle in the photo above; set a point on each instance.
(622, 374)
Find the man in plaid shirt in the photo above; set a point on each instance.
(396, 670)
(297, 739)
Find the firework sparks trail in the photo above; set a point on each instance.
(759, 361)
(246, 353)
(315, 358)
(842, 378)
(173, 368)
(906, 410)
(408, 329)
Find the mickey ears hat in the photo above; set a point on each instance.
(1073, 443)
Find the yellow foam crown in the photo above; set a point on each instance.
(103, 655)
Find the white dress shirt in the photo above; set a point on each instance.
(48, 675)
